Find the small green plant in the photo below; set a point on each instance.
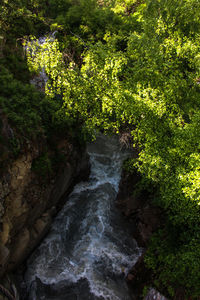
(145, 291)
(15, 147)
(42, 166)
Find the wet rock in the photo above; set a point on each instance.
(138, 209)
(39, 230)
(62, 183)
(42, 223)
(126, 201)
(148, 220)
(21, 245)
(2, 210)
(8, 290)
(130, 277)
(139, 275)
(62, 290)
(4, 189)
(4, 256)
(144, 219)
(154, 295)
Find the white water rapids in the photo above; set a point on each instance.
(87, 252)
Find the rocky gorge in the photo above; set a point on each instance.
(29, 200)
(29, 205)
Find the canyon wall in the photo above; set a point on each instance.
(28, 201)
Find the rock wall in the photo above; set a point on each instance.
(28, 203)
(137, 208)
(143, 218)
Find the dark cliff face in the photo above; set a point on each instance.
(137, 206)
(30, 196)
(143, 218)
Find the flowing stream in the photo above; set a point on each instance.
(88, 251)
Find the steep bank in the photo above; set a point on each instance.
(136, 204)
(29, 197)
(41, 158)
(144, 218)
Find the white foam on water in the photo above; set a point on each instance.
(83, 243)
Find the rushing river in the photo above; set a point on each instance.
(87, 252)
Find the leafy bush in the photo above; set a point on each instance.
(42, 166)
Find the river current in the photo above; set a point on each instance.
(88, 252)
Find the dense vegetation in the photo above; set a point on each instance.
(122, 66)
